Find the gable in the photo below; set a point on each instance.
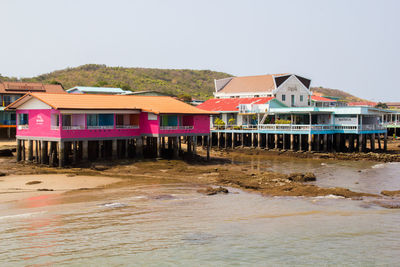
(34, 103)
(292, 85)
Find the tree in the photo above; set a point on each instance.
(185, 97)
(381, 105)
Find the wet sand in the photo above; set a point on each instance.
(219, 171)
(16, 187)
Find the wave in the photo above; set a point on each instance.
(22, 215)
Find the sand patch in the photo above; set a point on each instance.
(15, 187)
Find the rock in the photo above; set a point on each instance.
(45, 189)
(302, 177)
(389, 204)
(390, 193)
(33, 182)
(99, 167)
(71, 175)
(6, 152)
(209, 191)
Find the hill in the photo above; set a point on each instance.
(336, 93)
(197, 83)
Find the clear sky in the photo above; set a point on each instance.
(349, 45)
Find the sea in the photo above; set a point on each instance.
(173, 225)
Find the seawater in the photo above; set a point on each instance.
(173, 225)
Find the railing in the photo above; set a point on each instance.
(185, 127)
(302, 127)
(74, 127)
(346, 127)
(176, 127)
(23, 127)
(127, 126)
(55, 127)
(97, 127)
(8, 122)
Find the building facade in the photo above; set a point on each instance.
(67, 127)
(10, 92)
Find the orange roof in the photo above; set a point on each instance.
(23, 88)
(321, 98)
(231, 104)
(154, 104)
(259, 83)
(362, 104)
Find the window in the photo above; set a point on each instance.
(301, 98)
(283, 97)
(55, 121)
(66, 120)
(103, 121)
(127, 121)
(151, 117)
(23, 121)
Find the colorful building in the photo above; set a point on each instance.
(91, 126)
(10, 92)
(97, 90)
(281, 112)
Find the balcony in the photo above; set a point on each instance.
(176, 127)
(8, 122)
(98, 127)
(74, 127)
(302, 127)
(127, 126)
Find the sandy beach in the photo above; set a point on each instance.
(18, 187)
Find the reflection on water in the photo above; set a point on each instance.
(171, 224)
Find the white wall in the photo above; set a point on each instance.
(34, 103)
(290, 87)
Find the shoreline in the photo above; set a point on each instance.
(218, 172)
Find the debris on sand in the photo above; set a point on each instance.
(209, 191)
(33, 182)
(45, 189)
(302, 177)
(390, 193)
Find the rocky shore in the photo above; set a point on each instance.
(218, 172)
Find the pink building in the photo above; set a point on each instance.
(69, 127)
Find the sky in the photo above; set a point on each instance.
(343, 44)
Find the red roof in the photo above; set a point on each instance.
(231, 104)
(320, 98)
(362, 104)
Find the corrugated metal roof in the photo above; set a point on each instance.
(231, 104)
(88, 89)
(23, 88)
(154, 104)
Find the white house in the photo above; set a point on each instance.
(290, 89)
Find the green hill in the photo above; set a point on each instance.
(336, 93)
(197, 83)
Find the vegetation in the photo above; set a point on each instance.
(231, 121)
(336, 93)
(186, 84)
(219, 122)
(282, 122)
(381, 105)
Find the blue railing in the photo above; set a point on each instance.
(8, 122)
